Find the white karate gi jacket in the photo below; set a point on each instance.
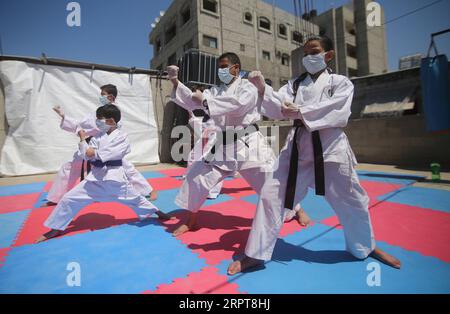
(318, 111)
(232, 106)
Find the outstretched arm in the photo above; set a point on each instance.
(181, 95)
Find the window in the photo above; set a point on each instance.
(210, 42)
(188, 45)
(158, 46)
(242, 48)
(248, 17)
(351, 51)
(172, 59)
(266, 55)
(285, 59)
(350, 27)
(297, 37)
(282, 30)
(264, 23)
(185, 15)
(210, 5)
(171, 32)
(352, 72)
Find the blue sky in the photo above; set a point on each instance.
(116, 31)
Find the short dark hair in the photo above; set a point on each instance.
(232, 57)
(99, 112)
(110, 89)
(108, 112)
(326, 42)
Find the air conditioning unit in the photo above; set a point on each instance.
(198, 68)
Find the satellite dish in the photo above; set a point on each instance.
(153, 25)
(157, 20)
(161, 13)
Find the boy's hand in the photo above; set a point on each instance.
(290, 110)
(257, 79)
(172, 73)
(82, 135)
(90, 152)
(59, 111)
(197, 97)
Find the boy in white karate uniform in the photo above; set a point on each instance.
(239, 145)
(317, 154)
(107, 182)
(69, 174)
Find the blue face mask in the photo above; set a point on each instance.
(102, 126)
(104, 100)
(225, 76)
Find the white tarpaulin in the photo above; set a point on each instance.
(36, 144)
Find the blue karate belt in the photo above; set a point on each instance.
(110, 163)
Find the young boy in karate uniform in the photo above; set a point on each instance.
(68, 175)
(317, 154)
(107, 182)
(232, 106)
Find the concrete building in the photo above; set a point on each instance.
(266, 37)
(360, 49)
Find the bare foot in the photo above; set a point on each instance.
(386, 258)
(183, 229)
(51, 234)
(164, 216)
(303, 218)
(153, 195)
(180, 230)
(241, 265)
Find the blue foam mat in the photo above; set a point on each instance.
(420, 197)
(10, 224)
(130, 258)
(314, 261)
(11, 190)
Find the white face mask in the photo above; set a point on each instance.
(104, 100)
(102, 126)
(315, 63)
(225, 76)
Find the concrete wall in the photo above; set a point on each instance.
(401, 141)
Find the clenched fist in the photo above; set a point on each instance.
(257, 79)
(290, 110)
(172, 72)
(197, 96)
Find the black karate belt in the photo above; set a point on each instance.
(201, 113)
(319, 168)
(110, 163)
(253, 128)
(319, 172)
(88, 164)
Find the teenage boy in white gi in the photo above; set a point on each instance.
(107, 182)
(239, 145)
(68, 175)
(317, 154)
